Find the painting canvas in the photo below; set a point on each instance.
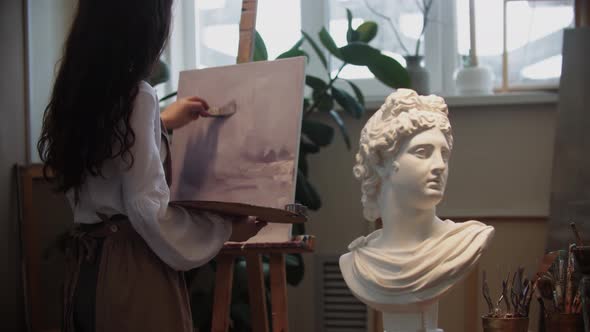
(249, 157)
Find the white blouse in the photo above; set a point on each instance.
(182, 239)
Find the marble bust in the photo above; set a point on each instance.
(405, 267)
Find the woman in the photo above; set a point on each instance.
(402, 164)
(101, 139)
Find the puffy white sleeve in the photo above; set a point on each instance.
(182, 239)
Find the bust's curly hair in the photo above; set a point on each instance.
(112, 45)
(403, 115)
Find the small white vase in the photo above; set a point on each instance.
(477, 80)
(419, 80)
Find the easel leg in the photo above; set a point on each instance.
(256, 293)
(223, 287)
(278, 291)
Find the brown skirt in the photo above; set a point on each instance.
(114, 282)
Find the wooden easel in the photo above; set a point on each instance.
(278, 284)
(253, 252)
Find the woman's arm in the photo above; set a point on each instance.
(182, 239)
(183, 111)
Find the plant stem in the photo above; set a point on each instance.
(316, 101)
(388, 19)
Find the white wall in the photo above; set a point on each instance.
(500, 166)
(48, 25)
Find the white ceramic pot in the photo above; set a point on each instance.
(471, 81)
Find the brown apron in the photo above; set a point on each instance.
(114, 282)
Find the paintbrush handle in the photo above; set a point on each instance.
(579, 241)
(569, 282)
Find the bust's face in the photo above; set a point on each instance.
(422, 169)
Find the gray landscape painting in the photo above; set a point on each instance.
(251, 156)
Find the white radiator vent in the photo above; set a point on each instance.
(339, 310)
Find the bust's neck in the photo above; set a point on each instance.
(405, 226)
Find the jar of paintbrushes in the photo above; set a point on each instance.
(510, 313)
(559, 294)
(581, 253)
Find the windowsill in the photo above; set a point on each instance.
(511, 98)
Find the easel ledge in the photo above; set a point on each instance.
(297, 245)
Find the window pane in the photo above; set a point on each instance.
(534, 38)
(403, 16)
(218, 28)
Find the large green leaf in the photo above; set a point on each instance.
(322, 99)
(351, 34)
(260, 53)
(325, 102)
(359, 54)
(389, 72)
(308, 147)
(348, 103)
(357, 92)
(295, 268)
(316, 48)
(294, 51)
(292, 54)
(302, 164)
(319, 133)
(168, 96)
(329, 43)
(336, 117)
(306, 194)
(386, 69)
(305, 103)
(159, 74)
(298, 229)
(367, 31)
(298, 43)
(315, 83)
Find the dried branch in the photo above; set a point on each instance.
(391, 24)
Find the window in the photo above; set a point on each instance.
(534, 38)
(210, 35)
(205, 33)
(217, 24)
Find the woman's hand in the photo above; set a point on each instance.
(183, 111)
(244, 228)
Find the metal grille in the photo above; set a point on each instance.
(339, 310)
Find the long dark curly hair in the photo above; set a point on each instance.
(111, 47)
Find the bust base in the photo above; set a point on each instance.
(416, 321)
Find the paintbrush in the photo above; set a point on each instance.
(579, 241)
(559, 286)
(576, 304)
(569, 287)
(545, 286)
(547, 262)
(224, 111)
(486, 293)
(505, 293)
